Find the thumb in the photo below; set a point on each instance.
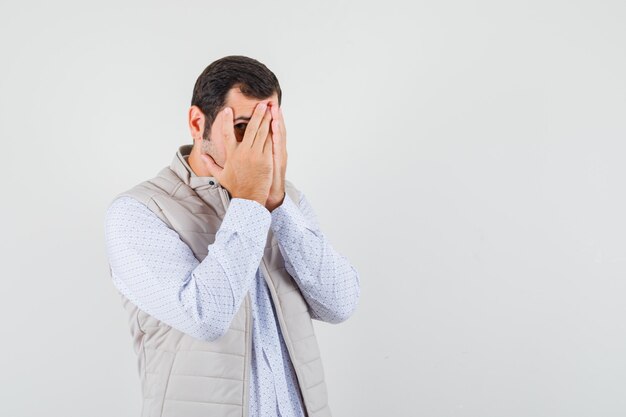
(214, 169)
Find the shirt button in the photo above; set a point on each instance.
(211, 182)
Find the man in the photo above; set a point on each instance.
(221, 263)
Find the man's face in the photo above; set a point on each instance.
(243, 107)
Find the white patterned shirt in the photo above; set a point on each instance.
(158, 272)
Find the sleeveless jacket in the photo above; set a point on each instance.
(182, 376)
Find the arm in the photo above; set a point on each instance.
(159, 273)
(327, 280)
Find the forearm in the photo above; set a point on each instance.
(160, 274)
(327, 280)
(213, 292)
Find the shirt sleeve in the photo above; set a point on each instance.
(327, 280)
(159, 273)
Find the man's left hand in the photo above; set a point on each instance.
(279, 155)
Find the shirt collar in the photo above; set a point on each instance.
(182, 168)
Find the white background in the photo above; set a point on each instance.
(466, 156)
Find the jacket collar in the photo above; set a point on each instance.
(181, 167)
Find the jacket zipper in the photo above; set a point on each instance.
(248, 358)
(224, 197)
(281, 322)
(283, 328)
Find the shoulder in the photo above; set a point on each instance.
(125, 204)
(130, 224)
(126, 212)
(165, 184)
(144, 196)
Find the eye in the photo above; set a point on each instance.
(241, 127)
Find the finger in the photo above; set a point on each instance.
(228, 130)
(253, 124)
(277, 134)
(268, 144)
(274, 110)
(262, 133)
(278, 137)
(281, 122)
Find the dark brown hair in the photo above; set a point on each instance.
(252, 77)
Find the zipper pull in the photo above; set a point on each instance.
(225, 197)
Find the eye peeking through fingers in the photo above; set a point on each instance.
(240, 129)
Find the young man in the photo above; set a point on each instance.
(221, 263)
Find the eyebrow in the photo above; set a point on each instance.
(244, 118)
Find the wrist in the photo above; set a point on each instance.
(274, 203)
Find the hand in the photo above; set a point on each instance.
(279, 156)
(247, 172)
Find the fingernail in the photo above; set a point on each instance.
(227, 110)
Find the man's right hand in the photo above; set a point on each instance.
(248, 169)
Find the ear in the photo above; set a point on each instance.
(196, 122)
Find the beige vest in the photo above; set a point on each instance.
(182, 376)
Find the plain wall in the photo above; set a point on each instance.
(467, 157)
